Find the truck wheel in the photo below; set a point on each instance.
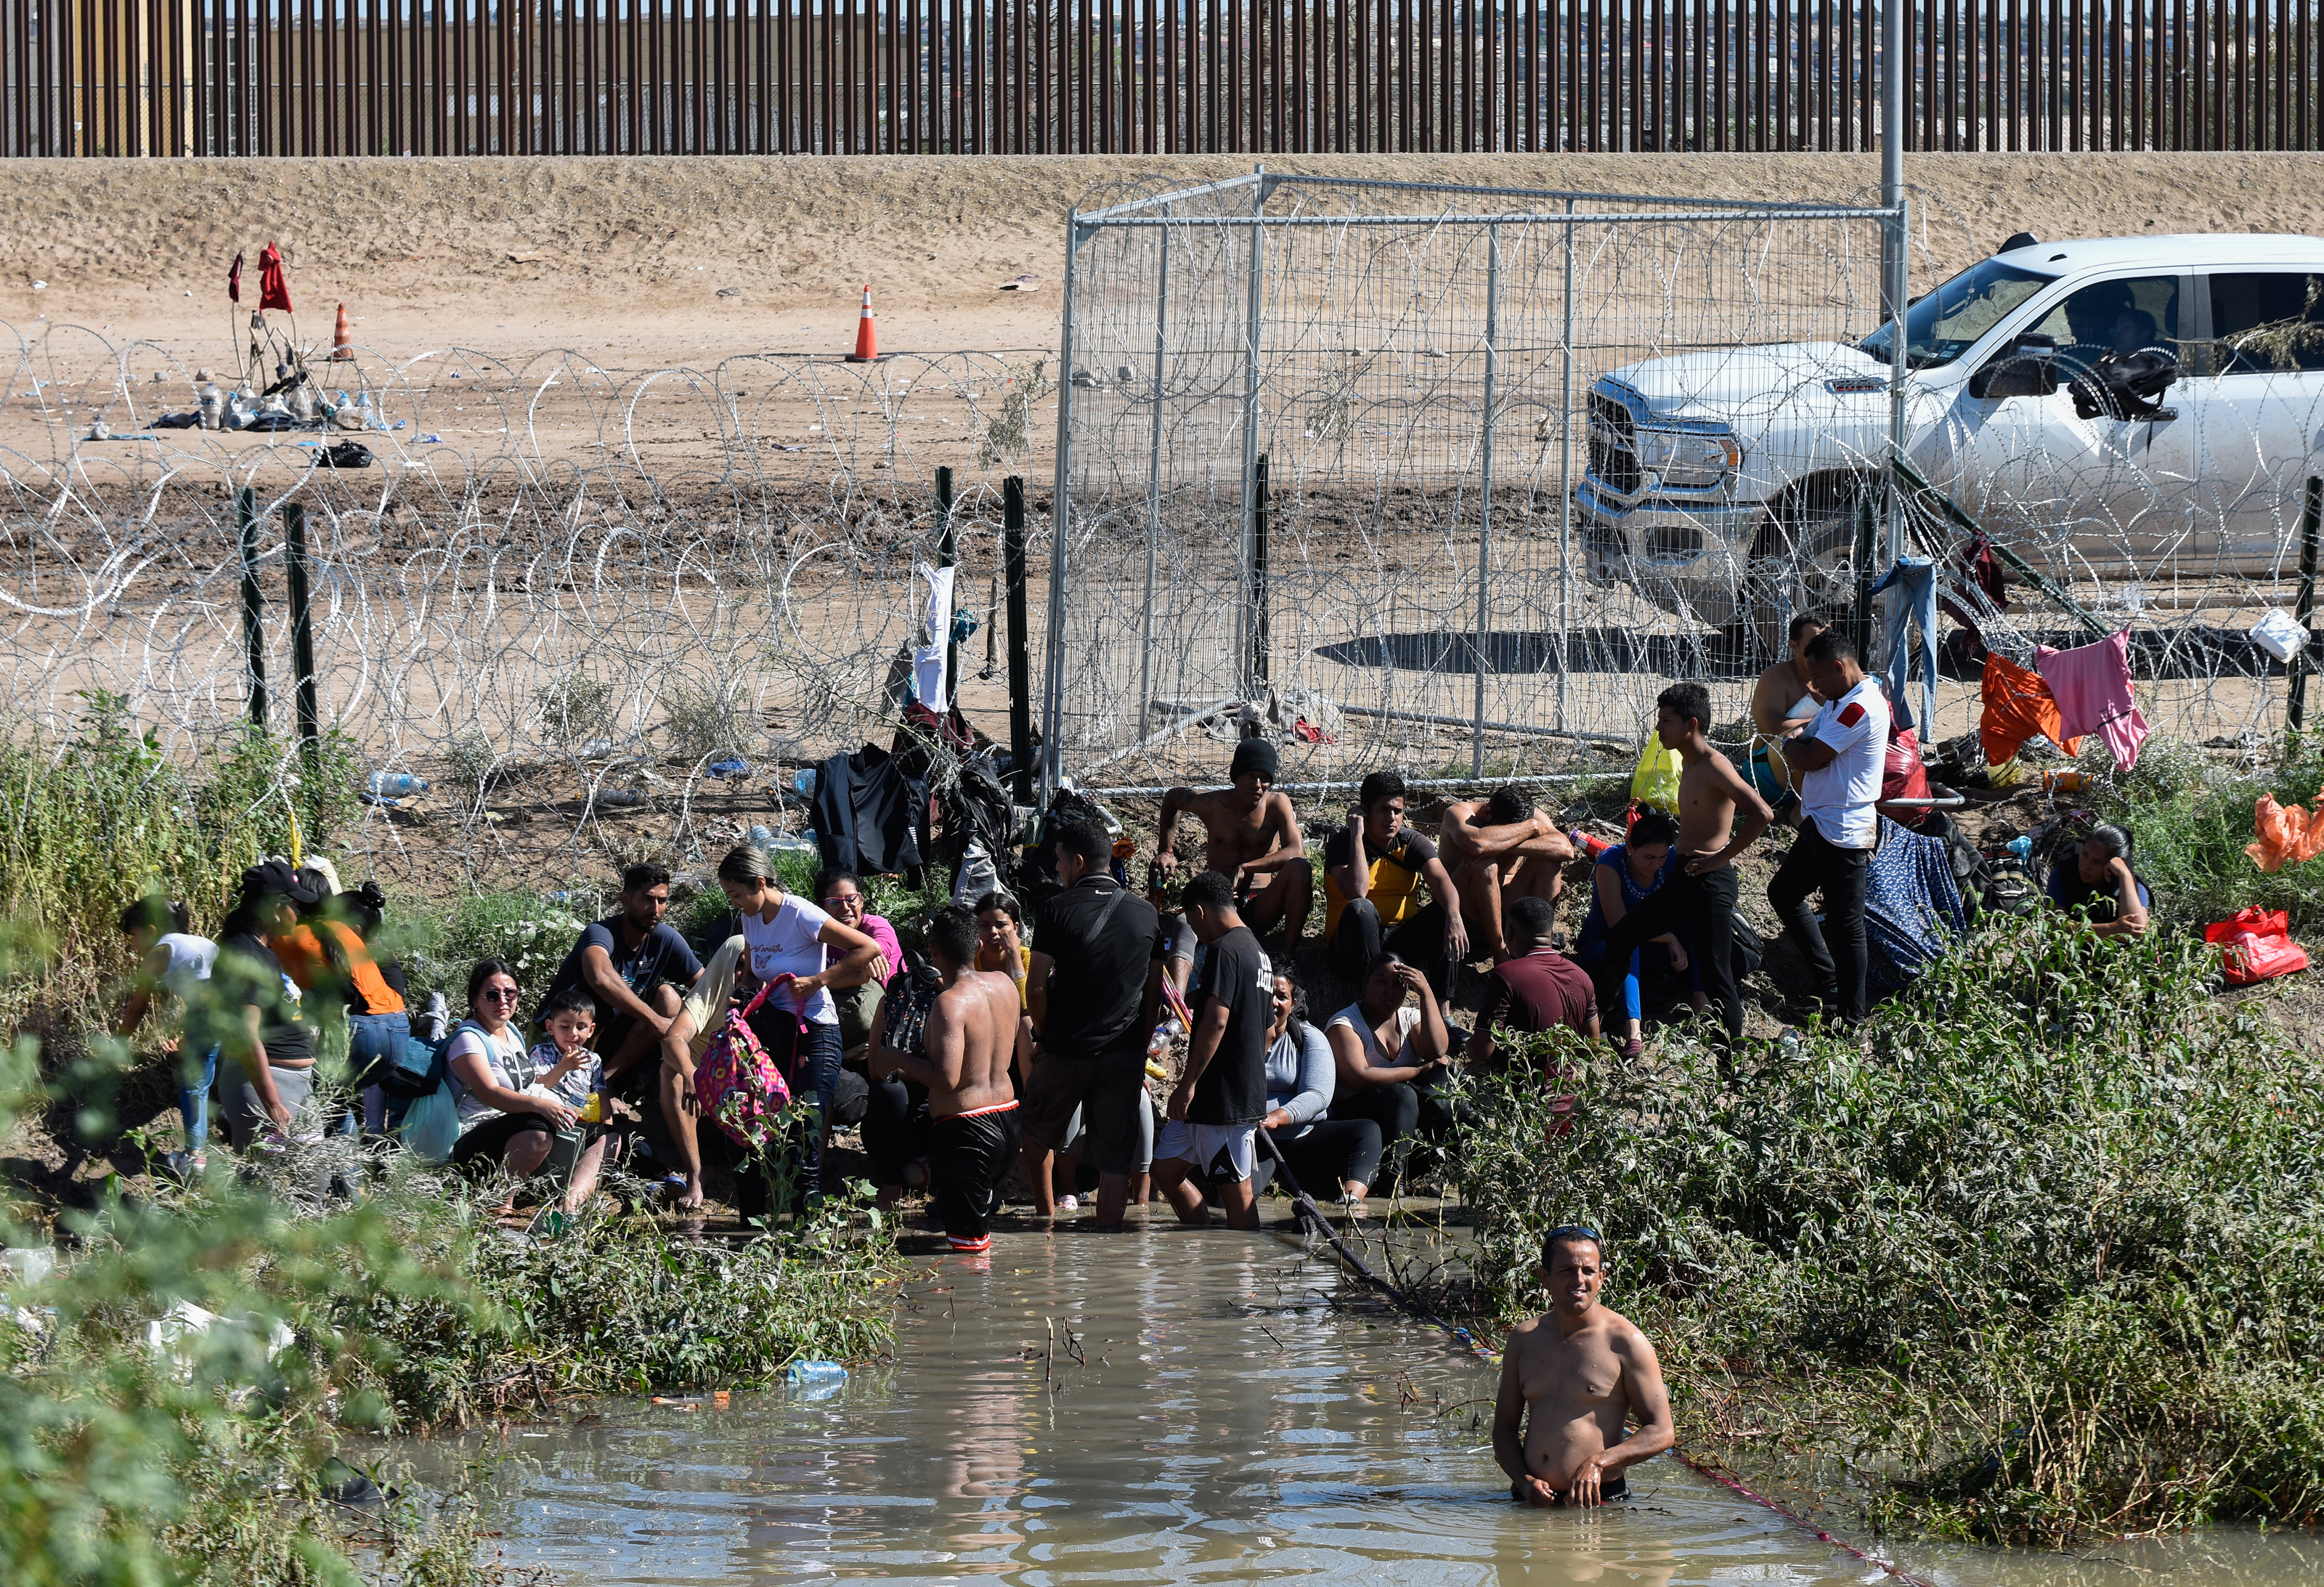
(1804, 560)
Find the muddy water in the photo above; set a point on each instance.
(1203, 1415)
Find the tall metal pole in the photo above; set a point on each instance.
(947, 548)
(254, 608)
(302, 628)
(1020, 659)
(1485, 492)
(1250, 433)
(2303, 607)
(1153, 495)
(1897, 18)
(1053, 703)
(1565, 490)
(1261, 672)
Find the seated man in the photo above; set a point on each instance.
(637, 970)
(1252, 838)
(1371, 871)
(2096, 881)
(1499, 849)
(1572, 1381)
(1783, 703)
(973, 1031)
(1537, 988)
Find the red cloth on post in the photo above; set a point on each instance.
(273, 290)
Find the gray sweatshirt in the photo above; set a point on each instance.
(1299, 1079)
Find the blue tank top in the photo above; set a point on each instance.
(1593, 926)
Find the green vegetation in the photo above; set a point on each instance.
(2040, 1257)
(2192, 822)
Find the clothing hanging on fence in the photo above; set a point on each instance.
(2091, 685)
(863, 813)
(1914, 579)
(2018, 705)
(1912, 911)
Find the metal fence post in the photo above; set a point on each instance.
(1566, 490)
(302, 628)
(947, 550)
(1250, 424)
(1053, 704)
(2303, 607)
(254, 608)
(1020, 659)
(1485, 492)
(1259, 669)
(1153, 493)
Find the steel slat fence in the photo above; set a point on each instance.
(1010, 76)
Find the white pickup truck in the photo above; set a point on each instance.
(1722, 485)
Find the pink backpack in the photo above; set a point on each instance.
(739, 1086)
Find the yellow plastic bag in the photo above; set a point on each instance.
(1655, 784)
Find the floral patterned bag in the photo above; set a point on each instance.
(739, 1086)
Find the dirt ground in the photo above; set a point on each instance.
(626, 259)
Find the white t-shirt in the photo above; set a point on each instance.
(1838, 797)
(504, 1060)
(190, 958)
(787, 945)
(1407, 1020)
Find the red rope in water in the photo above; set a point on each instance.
(1487, 1353)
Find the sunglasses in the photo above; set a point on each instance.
(1575, 1232)
(500, 994)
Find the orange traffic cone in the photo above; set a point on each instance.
(343, 341)
(867, 338)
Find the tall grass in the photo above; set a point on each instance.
(2192, 821)
(2043, 1254)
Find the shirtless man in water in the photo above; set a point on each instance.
(1499, 849)
(1783, 703)
(1253, 840)
(1697, 902)
(1572, 1381)
(972, 1033)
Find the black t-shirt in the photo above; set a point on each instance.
(247, 975)
(1232, 1087)
(1097, 989)
(660, 956)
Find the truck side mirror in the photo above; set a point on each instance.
(2028, 369)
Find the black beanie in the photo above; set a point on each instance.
(1254, 755)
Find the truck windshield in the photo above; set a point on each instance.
(1940, 327)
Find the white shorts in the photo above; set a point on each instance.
(1221, 1151)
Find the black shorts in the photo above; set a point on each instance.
(488, 1142)
(1612, 1490)
(969, 1154)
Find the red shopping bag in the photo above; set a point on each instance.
(2256, 945)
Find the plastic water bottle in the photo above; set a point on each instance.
(805, 842)
(816, 1379)
(803, 782)
(395, 785)
(729, 768)
(759, 837)
(213, 407)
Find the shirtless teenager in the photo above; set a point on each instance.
(973, 1031)
(1252, 838)
(1570, 1383)
(1697, 902)
(1498, 849)
(1783, 703)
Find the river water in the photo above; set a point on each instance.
(1163, 1406)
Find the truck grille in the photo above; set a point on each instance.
(1613, 445)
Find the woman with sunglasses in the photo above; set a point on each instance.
(501, 1121)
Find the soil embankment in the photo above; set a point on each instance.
(627, 258)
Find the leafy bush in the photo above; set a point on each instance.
(532, 933)
(2049, 1238)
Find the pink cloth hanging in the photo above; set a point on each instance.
(2092, 688)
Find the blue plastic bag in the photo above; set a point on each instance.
(432, 1126)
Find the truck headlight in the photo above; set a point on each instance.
(1689, 459)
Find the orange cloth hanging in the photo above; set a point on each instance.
(2287, 834)
(2018, 705)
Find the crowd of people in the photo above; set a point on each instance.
(986, 1049)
